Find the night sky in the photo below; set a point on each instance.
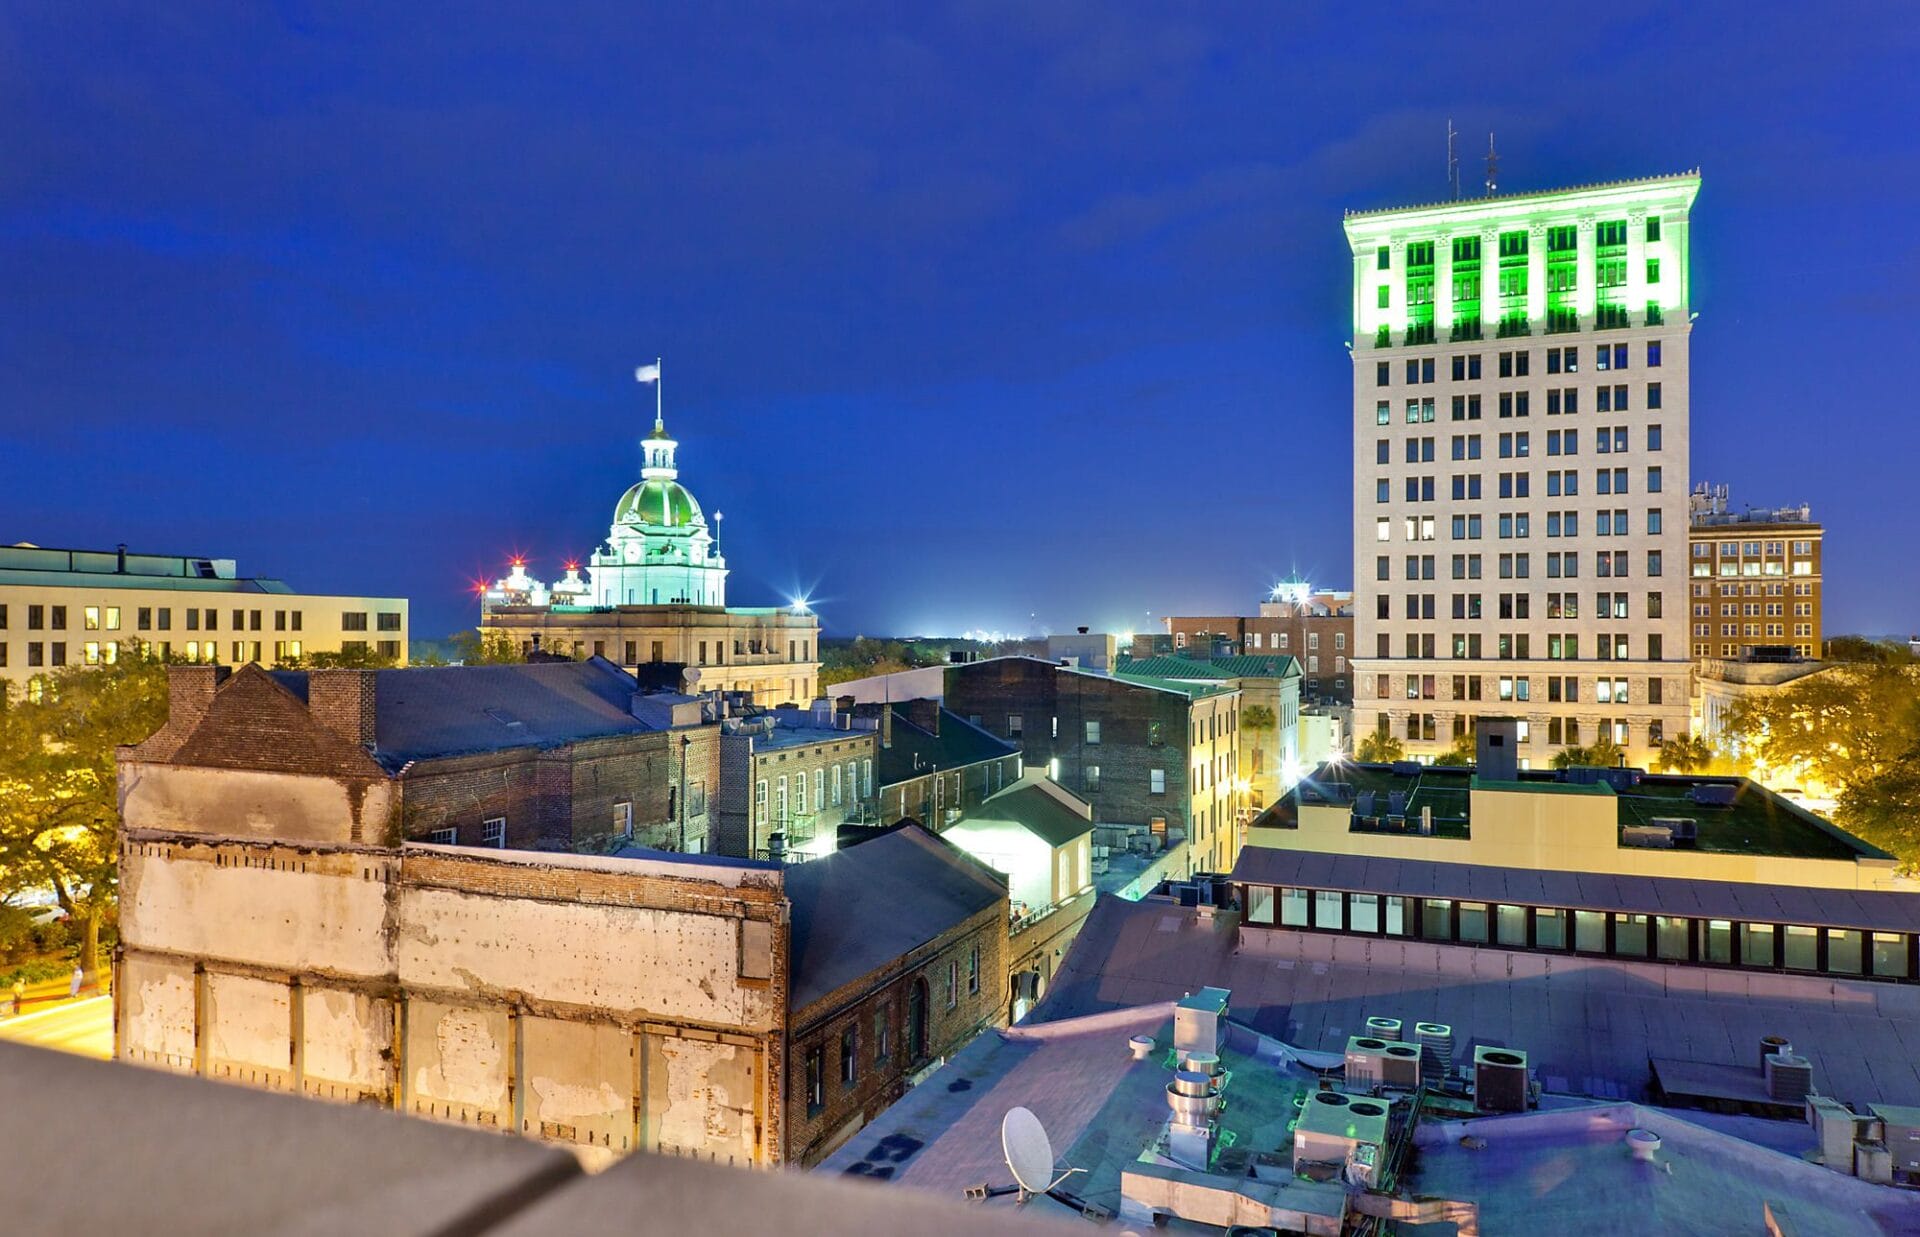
(1005, 316)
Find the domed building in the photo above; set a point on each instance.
(657, 593)
(659, 551)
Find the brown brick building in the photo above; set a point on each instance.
(1314, 628)
(789, 778)
(899, 955)
(563, 756)
(1755, 580)
(1143, 751)
(935, 765)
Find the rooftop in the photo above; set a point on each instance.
(864, 906)
(1038, 805)
(1191, 690)
(1756, 821)
(1536, 196)
(1588, 1024)
(436, 711)
(1215, 668)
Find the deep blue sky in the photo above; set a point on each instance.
(969, 313)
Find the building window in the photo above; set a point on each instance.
(1091, 781)
(493, 832)
(1294, 907)
(1093, 732)
(953, 983)
(973, 971)
(623, 819)
(849, 1057)
(1014, 729)
(444, 837)
(882, 1035)
(1364, 912)
(816, 1084)
(1260, 904)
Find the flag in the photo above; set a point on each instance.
(647, 373)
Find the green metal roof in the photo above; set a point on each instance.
(1193, 691)
(1244, 667)
(661, 504)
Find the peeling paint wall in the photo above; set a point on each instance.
(241, 803)
(701, 1098)
(155, 1012)
(246, 1026)
(346, 1045)
(580, 1083)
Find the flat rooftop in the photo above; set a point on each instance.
(1755, 822)
(1542, 197)
(1588, 1024)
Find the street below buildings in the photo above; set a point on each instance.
(84, 1027)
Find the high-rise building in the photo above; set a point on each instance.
(1755, 580)
(1520, 466)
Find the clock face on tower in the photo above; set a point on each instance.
(633, 551)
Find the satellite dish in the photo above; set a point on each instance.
(1029, 1153)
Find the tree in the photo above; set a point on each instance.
(485, 647)
(59, 809)
(1463, 752)
(1855, 728)
(1257, 717)
(1380, 747)
(360, 658)
(1684, 754)
(1866, 648)
(1603, 754)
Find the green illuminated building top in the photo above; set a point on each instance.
(1592, 258)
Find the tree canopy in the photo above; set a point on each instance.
(59, 811)
(1854, 727)
(1380, 747)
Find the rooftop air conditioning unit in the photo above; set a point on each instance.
(1374, 1062)
(1654, 835)
(1349, 1130)
(1836, 1128)
(1436, 1048)
(1902, 1136)
(1500, 1079)
(1383, 1028)
(1789, 1078)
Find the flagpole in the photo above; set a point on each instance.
(659, 396)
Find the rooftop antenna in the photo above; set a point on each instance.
(1493, 165)
(1453, 162)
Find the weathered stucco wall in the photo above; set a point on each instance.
(603, 1003)
(243, 803)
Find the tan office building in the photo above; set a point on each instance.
(1520, 369)
(86, 607)
(1755, 577)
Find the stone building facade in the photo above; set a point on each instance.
(1144, 752)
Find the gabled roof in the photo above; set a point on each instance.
(1191, 690)
(916, 752)
(859, 909)
(431, 711)
(1041, 807)
(254, 722)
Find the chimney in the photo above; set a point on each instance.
(925, 713)
(886, 725)
(190, 692)
(343, 701)
(120, 559)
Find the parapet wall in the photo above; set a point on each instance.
(604, 1003)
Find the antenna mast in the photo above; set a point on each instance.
(1493, 166)
(1453, 162)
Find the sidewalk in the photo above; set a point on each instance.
(49, 994)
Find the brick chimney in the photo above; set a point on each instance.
(343, 701)
(925, 713)
(190, 692)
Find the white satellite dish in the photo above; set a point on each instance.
(1029, 1152)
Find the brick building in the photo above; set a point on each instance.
(1315, 627)
(569, 756)
(1269, 756)
(934, 765)
(789, 779)
(898, 951)
(1755, 580)
(279, 929)
(1146, 753)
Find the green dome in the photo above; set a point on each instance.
(660, 504)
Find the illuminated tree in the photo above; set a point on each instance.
(1257, 717)
(1603, 754)
(1685, 754)
(1854, 727)
(1380, 747)
(1463, 752)
(489, 647)
(59, 811)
